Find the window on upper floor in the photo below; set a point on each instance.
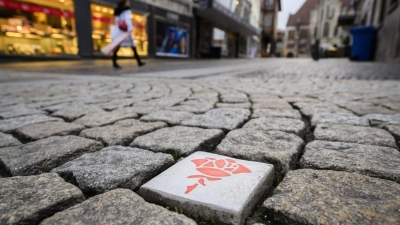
(315, 32)
(336, 32)
(268, 2)
(291, 34)
(267, 20)
(326, 29)
(330, 12)
(304, 33)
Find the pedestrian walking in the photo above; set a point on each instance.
(123, 23)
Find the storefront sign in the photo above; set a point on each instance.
(33, 8)
(172, 40)
(172, 16)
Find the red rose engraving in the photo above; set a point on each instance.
(215, 169)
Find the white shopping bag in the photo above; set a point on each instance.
(113, 45)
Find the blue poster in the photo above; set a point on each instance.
(172, 40)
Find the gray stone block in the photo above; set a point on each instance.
(38, 131)
(272, 104)
(394, 130)
(30, 199)
(331, 197)
(354, 134)
(122, 132)
(197, 108)
(211, 187)
(221, 118)
(19, 110)
(7, 140)
(182, 140)
(278, 148)
(350, 157)
(338, 118)
(43, 155)
(117, 207)
(72, 113)
(234, 105)
(280, 113)
(310, 111)
(281, 124)
(383, 119)
(114, 167)
(170, 117)
(104, 118)
(140, 110)
(9, 125)
(364, 108)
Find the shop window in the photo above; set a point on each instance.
(103, 19)
(37, 27)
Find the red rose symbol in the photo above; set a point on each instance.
(215, 169)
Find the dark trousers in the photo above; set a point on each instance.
(114, 57)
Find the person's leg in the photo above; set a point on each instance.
(137, 56)
(114, 58)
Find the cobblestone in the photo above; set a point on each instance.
(248, 109)
(114, 167)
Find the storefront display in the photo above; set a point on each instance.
(172, 40)
(37, 27)
(103, 19)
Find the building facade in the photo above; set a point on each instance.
(297, 38)
(81, 28)
(324, 23)
(225, 28)
(384, 15)
(269, 20)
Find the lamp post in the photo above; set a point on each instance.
(298, 25)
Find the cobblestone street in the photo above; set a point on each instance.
(209, 142)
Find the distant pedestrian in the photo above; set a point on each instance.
(123, 14)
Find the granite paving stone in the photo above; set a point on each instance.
(104, 118)
(280, 113)
(122, 132)
(234, 105)
(140, 110)
(365, 108)
(374, 161)
(118, 207)
(334, 197)
(18, 110)
(211, 187)
(72, 113)
(197, 108)
(383, 119)
(338, 118)
(281, 124)
(272, 104)
(7, 140)
(114, 167)
(9, 125)
(168, 116)
(294, 99)
(310, 111)
(43, 155)
(38, 131)
(354, 134)
(278, 148)
(394, 130)
(179, 139)
(221, 118)
(30, 199)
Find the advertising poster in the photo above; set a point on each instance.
(172, 40)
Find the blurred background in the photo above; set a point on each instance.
(364, 30)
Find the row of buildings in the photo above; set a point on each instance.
(330, 21)
(163, 28)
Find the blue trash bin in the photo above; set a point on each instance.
(363, 43)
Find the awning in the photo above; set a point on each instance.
(224, 19)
